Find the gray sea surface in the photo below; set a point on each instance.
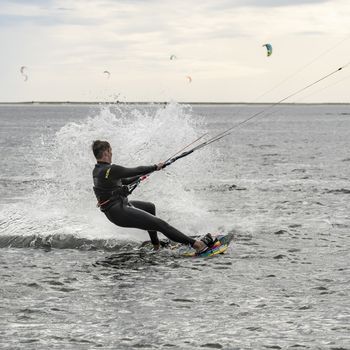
(280, 182)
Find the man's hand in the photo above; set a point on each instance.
(160, 166)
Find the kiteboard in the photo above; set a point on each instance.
(219, 247)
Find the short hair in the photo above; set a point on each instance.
(98, 147)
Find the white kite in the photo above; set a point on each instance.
(23, 71)
(108, 74)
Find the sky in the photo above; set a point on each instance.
(66, 45)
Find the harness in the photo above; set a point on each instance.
(112, 196)
(107, 189)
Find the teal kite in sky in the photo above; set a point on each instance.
(269, 49)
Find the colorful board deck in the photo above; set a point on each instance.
(219, 247)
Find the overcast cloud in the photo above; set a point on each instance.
(67, 44)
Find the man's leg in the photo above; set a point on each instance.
(128, 216)
(149, 208)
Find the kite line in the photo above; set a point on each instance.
(228, 131)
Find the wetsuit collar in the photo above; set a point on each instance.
(99, 162)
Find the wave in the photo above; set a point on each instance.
(64, 241)
(339, 191)
(60, 201)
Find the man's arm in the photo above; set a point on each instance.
(120, 172)
(130, 180)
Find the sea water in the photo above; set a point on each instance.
(279, 182)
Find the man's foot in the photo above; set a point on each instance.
(208, 240)
(204, 243)
(161, 244)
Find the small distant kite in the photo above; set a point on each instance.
(269, 49)
(189, 79)
(173, 57)
(23, 71)
(107, 73)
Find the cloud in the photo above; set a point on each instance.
(213, 39)
(234, 4)
(277, 3)
(310, 33)
(16, 20)
(64, 8)
(45, 3)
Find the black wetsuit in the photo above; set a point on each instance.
(110, 188)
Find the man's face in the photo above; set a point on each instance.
(109, 154)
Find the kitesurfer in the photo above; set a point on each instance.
(110, 187)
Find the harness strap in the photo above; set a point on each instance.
(99, 204)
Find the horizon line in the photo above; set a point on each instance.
(164, 103)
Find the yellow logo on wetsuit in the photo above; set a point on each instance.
(107, 173)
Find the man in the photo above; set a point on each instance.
(110, 187)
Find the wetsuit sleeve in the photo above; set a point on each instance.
(120, 172)
(130, 180)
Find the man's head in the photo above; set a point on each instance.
(102, 150)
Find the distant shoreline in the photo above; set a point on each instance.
(162, 103)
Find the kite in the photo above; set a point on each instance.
(269, 49)
(108, 74)
(172, 57)
(23, 71)
(189, 78)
